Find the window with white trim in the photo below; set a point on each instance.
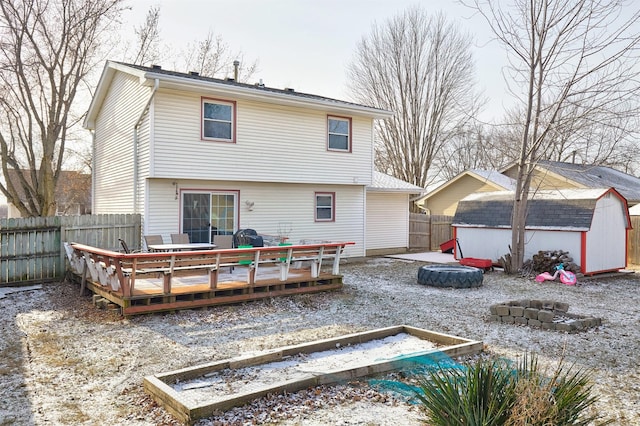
(339, 134)
(325, 207)
(218, 120)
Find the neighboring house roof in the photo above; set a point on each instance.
(597, 177)
(72, 187)
(568, 209)
(490, 177)
(592, 176)
(385, 183)
(192, 81)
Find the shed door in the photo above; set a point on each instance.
(205, 214)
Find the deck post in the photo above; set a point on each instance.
(336, 261)
(166, 282)
(213, 278)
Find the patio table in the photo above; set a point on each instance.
(180, 247)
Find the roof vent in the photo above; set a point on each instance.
(260, 84)
(196, 73)
(289, 89)
(156, 67)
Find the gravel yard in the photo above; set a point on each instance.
(63, 361)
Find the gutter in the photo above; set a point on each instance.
(156, 84)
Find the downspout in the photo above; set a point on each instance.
(135, 145)
(93, 168)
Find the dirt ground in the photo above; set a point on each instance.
(65, 362)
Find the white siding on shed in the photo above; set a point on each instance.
(273, 204)
(387, 220)
(492, 243)
(273, 144)
(608, 230)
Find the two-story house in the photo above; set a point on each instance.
(207, 156)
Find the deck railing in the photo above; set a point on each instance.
(119, 271)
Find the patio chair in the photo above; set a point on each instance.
(125, 247)
(180, 239)
(224, 242)
(151, 240)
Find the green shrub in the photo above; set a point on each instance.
(494, 392)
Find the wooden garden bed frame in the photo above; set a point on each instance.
(159, 386)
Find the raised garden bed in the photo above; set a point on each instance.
(202, 390)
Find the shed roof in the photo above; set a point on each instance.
(567, 209)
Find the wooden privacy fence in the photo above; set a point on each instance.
(633, 242)
(427, 232)
(31, 249)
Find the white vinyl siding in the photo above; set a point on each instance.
(113, 169)
(491, 243)
(273, 144)
(387, 221)
(608, 229)
(273, 206)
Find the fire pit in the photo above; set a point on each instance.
(544, 314)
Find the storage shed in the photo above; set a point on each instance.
(591, 224)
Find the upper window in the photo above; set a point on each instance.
(218, 120)
(325, 207)
(339, 134)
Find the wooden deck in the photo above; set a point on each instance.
(153, 282)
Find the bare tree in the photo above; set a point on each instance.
(48, 47)
(571, 64)
(148, 37)
(212, 57)
(478, 147)
(421, 68)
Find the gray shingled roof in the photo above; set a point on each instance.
(597, 177)
(231, 82)
(568, 209)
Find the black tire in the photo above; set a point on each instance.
(450, 276)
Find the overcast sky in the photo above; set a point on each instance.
(307, 44)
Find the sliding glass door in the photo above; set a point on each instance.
(205, 214)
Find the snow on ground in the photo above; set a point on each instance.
(65, 362)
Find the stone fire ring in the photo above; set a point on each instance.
(450, 276)
(544, 314)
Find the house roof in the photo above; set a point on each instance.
(72, 187)
(567, 209)
(385, 183)
(150, 76)
(491, 177)
(592, 176)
